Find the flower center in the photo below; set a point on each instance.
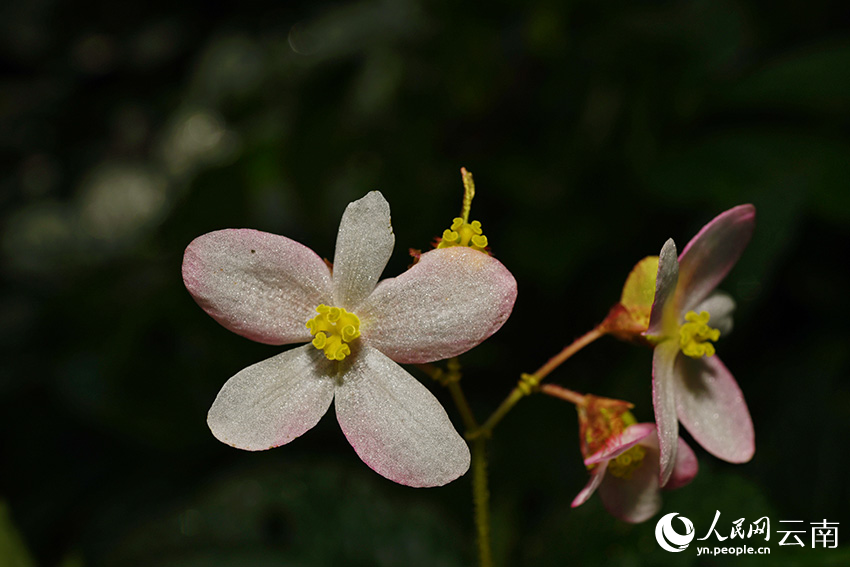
(332, 328)
(463, 233)
(626, 463)
(694, 334)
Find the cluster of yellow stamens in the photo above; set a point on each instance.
(463, 233)
(332, 328)
(695, 334)
(625, 464)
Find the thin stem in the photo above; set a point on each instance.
(481, 500)
(529, 382)
(563, 393)
(462, 405)
(570, 350)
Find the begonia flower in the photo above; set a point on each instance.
(623, 459)
(274, 290)
(690, 384)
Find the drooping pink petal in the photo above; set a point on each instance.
(720, 306)
(621, 443)
(262, 286)
(686, 467)
(363, 247)
(710, 255)
(664, 402)
(596, 477)
(396, 425)
(274, 401)
(712, 408)
(447, 303)
(665, 288)
(634, 499)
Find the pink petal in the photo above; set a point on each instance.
(363, 247)
(686, 467)
(664, 401)
(665, 288)
(596, 476)
(447, 303)
(634, 499)
(710, 255)
(274, 401)
(619, 444)
(396, 425)
(262, 286)
(712, 408)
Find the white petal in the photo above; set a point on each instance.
(262, 286)
(720, 306)
(596, 477)
(666, 280)
(664, 403)
(396, 425)
(274, 401)
(449, 302)
(363, 247)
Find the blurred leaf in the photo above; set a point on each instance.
(13, 553)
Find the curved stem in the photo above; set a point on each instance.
(570, 350)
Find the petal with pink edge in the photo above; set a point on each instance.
(621, 443)
(363, 247)
(396, 425)
(712, 408)
(710, 254)
(262, 286)
(664, 402)
(634, 499)
(447, 303)
(686, 467)
(596, 477)
(274, 401)
(665, 288)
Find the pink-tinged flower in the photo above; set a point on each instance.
(274, 290)
(623, 457)
(690, 384)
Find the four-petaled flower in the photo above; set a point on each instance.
(274, 290)
(622, 457)
(689, 383)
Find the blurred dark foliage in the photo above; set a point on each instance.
(595, 131)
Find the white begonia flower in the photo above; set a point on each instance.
(274, 290)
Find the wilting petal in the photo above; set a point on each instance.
(720, 306)
(447, 303)
(621, 443)
(363, 247)
(274, 401)
(262, 286)
(664, 401)
(634, 499)
(710, 255)
(396, 425)
(596, 476)
(665, 287)
(712, 408)
(686, 467)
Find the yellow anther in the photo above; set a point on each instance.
(695, 334)
(332, 328)
(463, 233)
(625, 464)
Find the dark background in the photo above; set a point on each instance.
(595, 132)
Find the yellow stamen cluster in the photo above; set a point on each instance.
(332, 328)
(463, 233)
(694, 334)
(625, 464)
